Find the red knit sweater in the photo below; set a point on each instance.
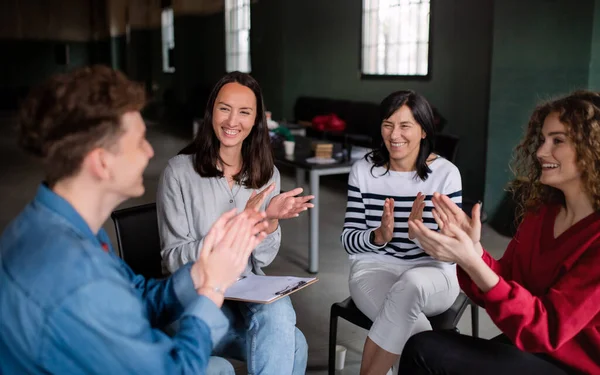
(548, 297)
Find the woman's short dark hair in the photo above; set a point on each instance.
(257, 155)
(423, 114)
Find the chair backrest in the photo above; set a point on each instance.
(446, 145)
(138, 239)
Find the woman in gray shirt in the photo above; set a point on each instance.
(230, 165)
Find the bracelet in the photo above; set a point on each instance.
(217, 289)
(205, 289)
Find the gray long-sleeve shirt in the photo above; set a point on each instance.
(188, 205)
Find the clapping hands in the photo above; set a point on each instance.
(459, 237)
(225, 251)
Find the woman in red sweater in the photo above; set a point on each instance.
(544, 293)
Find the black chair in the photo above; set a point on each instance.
(446, 145)
(138, 239)
(444, 321)
(467, 207)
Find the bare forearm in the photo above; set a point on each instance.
(379, 239)
(481, 274)
(273, 224)
(202, 286)
(267, 250)
(213, 294)
(479, 249)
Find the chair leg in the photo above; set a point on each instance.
(333, 320)
(474, 320)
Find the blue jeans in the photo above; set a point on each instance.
(266, 337)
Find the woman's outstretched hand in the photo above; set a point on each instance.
(288, 205)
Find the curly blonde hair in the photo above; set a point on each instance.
(580, 113)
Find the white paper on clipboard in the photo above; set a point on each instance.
(266, 289)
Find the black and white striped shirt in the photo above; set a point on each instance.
(366, 195)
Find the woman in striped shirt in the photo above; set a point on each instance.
(392, 280)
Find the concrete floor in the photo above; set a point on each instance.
(21, 176)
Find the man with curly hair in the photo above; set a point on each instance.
(68, 304)
(544, 293)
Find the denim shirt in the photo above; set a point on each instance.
(69, 307)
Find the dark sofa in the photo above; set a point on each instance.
(362, 118)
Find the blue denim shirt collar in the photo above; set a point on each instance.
(58, 204)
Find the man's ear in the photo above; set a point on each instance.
(97, 164)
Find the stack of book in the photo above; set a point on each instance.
(323, 150)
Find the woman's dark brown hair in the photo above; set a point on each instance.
(257, 155)
(421, 111)
(580, 113)
(71, 114)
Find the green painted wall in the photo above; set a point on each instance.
(312, 47)
(322, 52)
(99, 52)
(118, 52)
(199, 51)
(541, 49)
(142, 61)
(267, 44)
(200, 55)
(594, 76)
(28, 62)
(199, 61)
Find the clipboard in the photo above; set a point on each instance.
(266, 289)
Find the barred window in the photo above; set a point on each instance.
(395, 37)
(237, 35)
(168, 39)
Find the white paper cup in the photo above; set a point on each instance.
(340, 357)
(289, 147)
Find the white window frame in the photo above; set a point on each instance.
(237, 36)
(395, 37)
(167, 22)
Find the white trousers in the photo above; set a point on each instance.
(398, 298)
